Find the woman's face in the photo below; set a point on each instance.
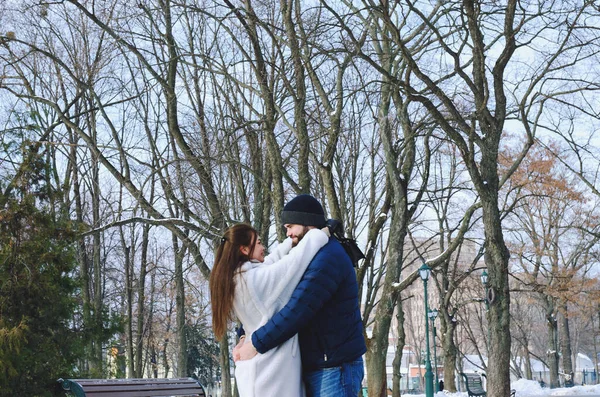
(259, 251)
(258, 254)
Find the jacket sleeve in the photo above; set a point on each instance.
(277, 281)
(279, 252)
(318, 284)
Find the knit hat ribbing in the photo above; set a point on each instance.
(303, 210)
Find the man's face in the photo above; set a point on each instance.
(296, 232)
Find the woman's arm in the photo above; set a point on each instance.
(330, 269)
(279, 252)
(277, 281)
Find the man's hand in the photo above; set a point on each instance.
(244, 350)
(236, 349)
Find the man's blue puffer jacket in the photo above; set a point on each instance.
(323, 310)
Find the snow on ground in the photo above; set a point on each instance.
(532, 388)
(526, 388)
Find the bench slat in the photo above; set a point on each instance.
(134, 387)
(157, 393)
(135, 380)
(173, 391)
(125, 387)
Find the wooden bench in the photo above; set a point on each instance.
(132, 387)
(474, 384)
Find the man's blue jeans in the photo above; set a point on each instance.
(343, 381)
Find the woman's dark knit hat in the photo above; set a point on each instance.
(303, 210)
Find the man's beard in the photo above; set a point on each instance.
(296, 239)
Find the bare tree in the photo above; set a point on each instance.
(477, 129)
(203, 113)
(552, 246)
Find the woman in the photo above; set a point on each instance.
(253, 288)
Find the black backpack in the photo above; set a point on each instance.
(350, 246)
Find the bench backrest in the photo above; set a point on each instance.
(133, 387)
(473, 382)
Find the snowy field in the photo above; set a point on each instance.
(526, 388)
(531, 388)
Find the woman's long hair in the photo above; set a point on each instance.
(227, 260)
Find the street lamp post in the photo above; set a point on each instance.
(424, 272)
(484, 281)
(433, 313)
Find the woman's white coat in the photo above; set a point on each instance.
(262, 289)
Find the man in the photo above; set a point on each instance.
(323, 311)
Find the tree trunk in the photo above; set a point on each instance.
(225, 369)
(565, 346)
(287, 11)
(397, 364)
(450, 351)
(154, 351)
(84, 262)
(97, 292)
(129, 303)
(249, 20)
(141, 305)
(596, 332)
(498, 315)
(181, 358)
(378, 343)
(165, 358)
(527, 356)
(552, 351)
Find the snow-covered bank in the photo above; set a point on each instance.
(526, 388)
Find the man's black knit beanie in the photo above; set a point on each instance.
(303, 210)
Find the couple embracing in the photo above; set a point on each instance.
(298, 306)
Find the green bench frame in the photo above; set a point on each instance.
(474, 384)
(132, 387)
